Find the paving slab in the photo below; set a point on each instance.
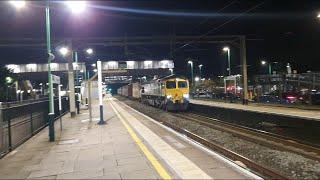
(83, 150)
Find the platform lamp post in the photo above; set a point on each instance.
(75, 6)
(227, 49)
(89, 51)
(60, 105)
(101, 122)
(263, 63)
(191, 68)
(200, 70)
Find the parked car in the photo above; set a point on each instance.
(315, 98)
(267, 98)
(291, 97)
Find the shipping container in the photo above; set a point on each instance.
(124, 90)
(136, 90)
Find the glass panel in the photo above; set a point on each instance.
(182, 84)
(122, 65)
(171, 84)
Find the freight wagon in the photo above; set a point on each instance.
(131, 90)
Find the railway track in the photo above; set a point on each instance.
(257, 168)
(257, 136)
(263, 139)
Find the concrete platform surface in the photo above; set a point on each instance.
(293, 112)
(129, 146)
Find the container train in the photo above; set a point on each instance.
(169, 93)
(131, 90)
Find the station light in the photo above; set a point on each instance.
(63, 51)
(196, 79)
(18, 3)
(76, 6)
(89, 51)
(95, 70)
(9, 80)
(225, 49)
(93, 65)
(31, 66)
(53, 66)
(318, 16)
(112, 63)
(263, 62)
(189, 62)
(288, 65)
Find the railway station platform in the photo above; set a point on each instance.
(276, 110)
(129, 146)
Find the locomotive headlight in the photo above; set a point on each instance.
(169, 96)
(186, 96)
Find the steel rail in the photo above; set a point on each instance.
(257, 136)
(251, 165)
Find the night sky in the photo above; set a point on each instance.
(282, 31)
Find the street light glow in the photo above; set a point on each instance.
(76, 6)
(18, 3)
(225, 49)
(63, 51)
(189, 62)
(200, 65)
(89, 51)
(9, 80)
(196, 79)
(318, 16)
(263, 62)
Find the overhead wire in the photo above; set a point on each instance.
(220, 26)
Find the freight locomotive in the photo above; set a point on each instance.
(169, 93)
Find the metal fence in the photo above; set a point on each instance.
(19, 123)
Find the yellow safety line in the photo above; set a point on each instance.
(156, 164)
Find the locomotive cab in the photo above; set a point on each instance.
(176, 92)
